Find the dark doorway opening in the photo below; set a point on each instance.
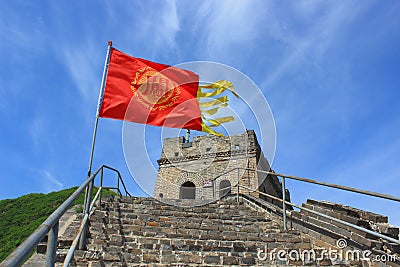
(187, 191)
(224, 188)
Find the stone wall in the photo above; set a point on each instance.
(208, 160)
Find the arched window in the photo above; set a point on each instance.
(187, 191)
(224, 188)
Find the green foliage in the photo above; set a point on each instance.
(19, 217)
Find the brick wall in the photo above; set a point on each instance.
(205, 160)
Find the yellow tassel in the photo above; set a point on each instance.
(207, 129)
(211, 90)
(214, 102)
(213, 110)
(219, 121)
(218, 87)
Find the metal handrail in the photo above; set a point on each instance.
(307, 180)
(50, 225)
(75, 242)
(119, 179)
(336, 186)
(326, 216)
(341, 187)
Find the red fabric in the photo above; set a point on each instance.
(142, 91)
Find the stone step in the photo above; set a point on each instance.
(338, 230)
(145, 232)
(335, 214)
(153, 202)
(232, 209)
(189, 223)
(365, 219)
(248, 217)
(168, 258)
(329, 233)
(223, 236)
(349, 211)
(333, 225)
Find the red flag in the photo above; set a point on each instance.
(142, 91)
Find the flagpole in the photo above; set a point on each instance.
(101, 93)
(89, 189)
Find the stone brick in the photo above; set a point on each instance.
(168, 258)
(147, 246)
(190, 258)
(148, 258)
(239, 247)
(96, 264)
(212, 259)
(152, 224)
(247, 261)
(130, 257)
(110, 256)
(195, 248)
(230, 260)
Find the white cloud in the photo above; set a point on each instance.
(21, 36)
(50, 182)
(169, 25)
(311, 46)
(228, 23)
(37, 130)
(80, 63)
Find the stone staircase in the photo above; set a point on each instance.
(330, 231)
(133, 231)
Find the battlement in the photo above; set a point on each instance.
(208, 146)
(207, 167)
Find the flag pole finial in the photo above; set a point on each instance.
(187, 135)
(109, 43)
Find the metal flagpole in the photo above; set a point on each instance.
(101, 93)
(89, 189)
(102, 86)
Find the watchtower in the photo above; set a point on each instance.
(210, 166)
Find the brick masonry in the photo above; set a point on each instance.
(132, 231)
(207, 162)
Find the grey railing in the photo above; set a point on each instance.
(341, 187)
(50, 225)
(306, 180)
(325, 216)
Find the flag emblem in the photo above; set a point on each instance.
(154, 90)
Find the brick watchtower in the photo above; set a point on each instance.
(204, 168)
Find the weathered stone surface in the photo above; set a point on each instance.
(329, 231)
(202, 160)
(217, 236)
(205, 235)
(212, 260)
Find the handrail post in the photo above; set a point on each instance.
(238, 180)
(284, 203)
(118, 185)
(52, 246)
(214, 189)
(82, 241)
(101, 186)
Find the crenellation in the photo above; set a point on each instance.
(209, 164)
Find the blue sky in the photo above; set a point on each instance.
(328, 69)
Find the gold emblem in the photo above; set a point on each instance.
(154, 90)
